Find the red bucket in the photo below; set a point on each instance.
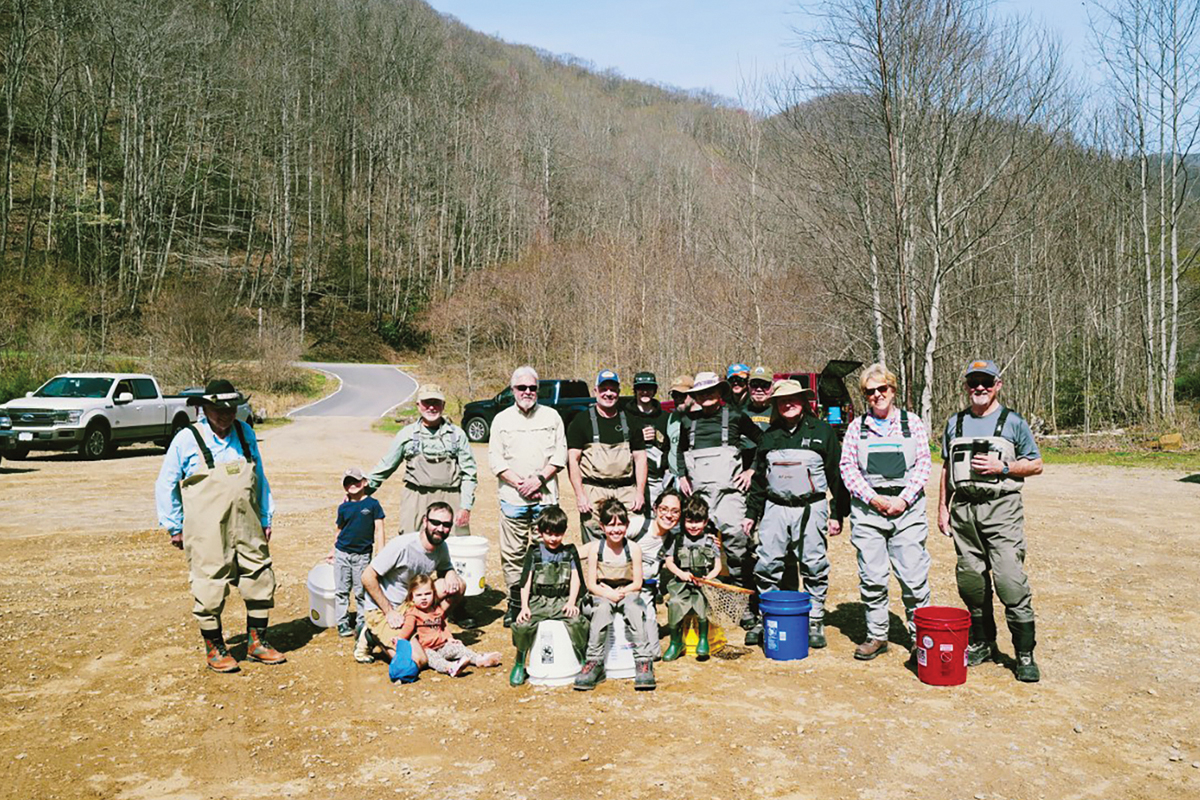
(942, 634)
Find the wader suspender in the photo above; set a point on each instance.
(958, 423)
(724, 430)
(596, 426)
(208, 456)
(905, 431)
(572, 559)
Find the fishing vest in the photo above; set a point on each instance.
(607, 464)
(712, 466)
(885, 460)
(698, 559)
(551, 578)
(958, 461)
(431, 458)
(612, 573)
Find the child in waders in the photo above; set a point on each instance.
(359, 534)
(694, 553)
(425, 618)
(550, 584)
(614, 578)
(652, 535)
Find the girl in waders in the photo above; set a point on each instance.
(550, 584)
(795, 467)
(652, 535)
(692, 553)
(885, 465)
(614, 578)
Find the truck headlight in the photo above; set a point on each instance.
(5, 421)
(74, 416)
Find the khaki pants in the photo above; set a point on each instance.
(589, 524)
(414, 501)
(516, 534)
(989, 537)
(224, 543)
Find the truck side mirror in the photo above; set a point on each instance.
(123, 398)
(29, 394)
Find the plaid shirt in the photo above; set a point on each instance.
(852, 476)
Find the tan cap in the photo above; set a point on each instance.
(788, 388)
(762, 375)
(682, 383)
(430, 391)
(353, 474)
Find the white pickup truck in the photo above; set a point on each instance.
(94, 413)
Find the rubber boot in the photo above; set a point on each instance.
(514, 605)
(1024, 639)
(257, 648)
(216, 654)
(981, 645)
(517, 676)
(702, 644)
(675, 648)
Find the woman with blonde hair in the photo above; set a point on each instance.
(885, 464)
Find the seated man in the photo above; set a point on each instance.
(386, 581)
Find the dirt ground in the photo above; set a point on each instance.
(104, 693)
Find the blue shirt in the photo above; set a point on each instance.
(356, 525)
(183, 459)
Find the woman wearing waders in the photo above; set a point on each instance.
(885, 465)
(605, 457)
(713, 465)
(213, 498)
(990, 452)
(795, 466)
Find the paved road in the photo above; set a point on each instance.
(368, 390)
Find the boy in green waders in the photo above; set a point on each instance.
(550, 584)
(692, 553)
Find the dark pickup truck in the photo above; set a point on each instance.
(567, 397)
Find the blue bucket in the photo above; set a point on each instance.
(785, 624)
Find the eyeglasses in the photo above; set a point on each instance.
(441, 523)
(737, 381)
(986, 381)
(766, 387)
(525, 388)
(871, 391)
(668, 512)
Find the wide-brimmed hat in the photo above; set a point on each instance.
(789, 388)
(220, 393)
(430, 391)
(682, 383)
(705, 381)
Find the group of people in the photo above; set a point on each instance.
(743, 481)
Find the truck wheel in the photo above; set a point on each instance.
(95, 444)
(477, 429)
(179, 423)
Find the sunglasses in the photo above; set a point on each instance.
(441, 523)
(987, 382)
(737, 381)
(871, 391)
(525, 388)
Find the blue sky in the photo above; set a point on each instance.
(697, 44)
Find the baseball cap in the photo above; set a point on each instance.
(762, 374)
(353, 474)
(430, 391)
(645, 379)
(984, 367)
(682, 383)
(736, 369)
(607, 375)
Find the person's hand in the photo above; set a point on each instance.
(530, 488)
(453, 583)
(685, 486)
(464, 518)
(881, 503)
(747, 526)
(944, 520)
(835, 527)
(267, 532)
(637, 503)
(648, 433)
(329, 558)
(742, 481)
(583, 504)
(987, 464)
(524, 615)
(177, 541)
(614, 595)
(395, 618)
(570, 610)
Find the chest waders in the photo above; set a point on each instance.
(686, 598)
(607, 471)
(793, 523)
(548, 593)
(885, 462)
(987, 519)
(652, 559)
(223, 537)
(616, 574)
(431, 475)
(712, 471)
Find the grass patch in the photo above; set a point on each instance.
(1179, 460)
(392, 423)
(273, 422)
(311, 387)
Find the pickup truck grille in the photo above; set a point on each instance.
(31, 418)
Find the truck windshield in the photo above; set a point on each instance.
(66, 386)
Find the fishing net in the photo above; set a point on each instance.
(726, 604)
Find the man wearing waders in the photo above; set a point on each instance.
(605, 456)
(990, 451)
(885, 465)
(526, 451)
(716, 448)
(213, 498)
(650, 422)
(795, 465)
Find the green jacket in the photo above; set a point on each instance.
(414, 438)
(810, 434)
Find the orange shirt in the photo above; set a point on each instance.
(429, 626)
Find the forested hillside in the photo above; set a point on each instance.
(193, 182)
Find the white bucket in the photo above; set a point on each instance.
(322, 606)
(552, 660)
(468, 555)
(618, 658)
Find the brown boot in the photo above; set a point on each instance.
(216, 653)
(870, 648)
(257, 648)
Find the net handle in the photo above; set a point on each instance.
(725, 586)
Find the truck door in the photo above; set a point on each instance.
(151, 408)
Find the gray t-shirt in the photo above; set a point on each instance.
(1016, 430)
(400, 561)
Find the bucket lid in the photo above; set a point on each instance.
(785, 603)
(942, 618)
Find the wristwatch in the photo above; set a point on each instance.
(1004, 469)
